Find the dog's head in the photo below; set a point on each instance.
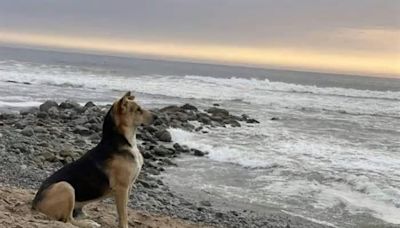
(127, 113)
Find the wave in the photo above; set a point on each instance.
(247, 90)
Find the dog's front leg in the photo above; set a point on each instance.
(121, 200)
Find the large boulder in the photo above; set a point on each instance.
(69, 104)
(189, 107)
(47, 105)
(164, 136)
(218, 111)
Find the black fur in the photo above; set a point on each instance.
(87, 174)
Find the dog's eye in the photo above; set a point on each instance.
(139, 110)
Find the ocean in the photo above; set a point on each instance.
(332, 154)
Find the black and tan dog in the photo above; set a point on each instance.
(108, 170)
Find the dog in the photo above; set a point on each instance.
(107, 170)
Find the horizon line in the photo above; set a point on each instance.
(267, 58)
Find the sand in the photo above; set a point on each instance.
(15, 212)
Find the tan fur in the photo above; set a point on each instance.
(58, 203)
(122, 173)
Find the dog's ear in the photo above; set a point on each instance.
(129, 96)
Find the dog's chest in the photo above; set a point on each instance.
(124, 170)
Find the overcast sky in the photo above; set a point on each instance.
(348, 27)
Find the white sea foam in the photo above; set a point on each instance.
(320, 160)
(265, 92)
(19, 104)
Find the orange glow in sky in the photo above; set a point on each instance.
(366, 63)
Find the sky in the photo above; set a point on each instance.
(337, 36)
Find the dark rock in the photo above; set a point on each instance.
(164, 136)
(150, 129)
(47, 105)
(82, 130)
(169, 162)
(27, 131)
(147, 184)
(275, 118)
(234, 123)
(199, 128)
(215, 104)
(162, 151)
(178, 147)
(89, 104)
(198, 153)
(189, 107)
(5, 116)
(217, 111)
(69, 104)
(205, 120)
(252, 121)
(42, 115)
(219, 215)
(147, 155)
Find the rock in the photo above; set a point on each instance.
(47, 105)
(82, 130)
(219, 215)
(205, 120)
(252, 121)
(245, 116)
(148, 184)
(217, 111)
(275, 118)
(42, 115)
(198, 153)
(31, 110)
(215, 104)
(171, 108)
(5, 116)
(189, 107)
(234, 123)
(162, 151)
(66, 153)
(89, 104)
(178, 147)
(150, 129)
(69, 104)
(164, 136)
(205, 203)
(48, 156)
(169, 162)
(53, 111)
(27, 131)
(39, 129)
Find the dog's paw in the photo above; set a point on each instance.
(91, 224)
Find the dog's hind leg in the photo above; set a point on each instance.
(58, 202)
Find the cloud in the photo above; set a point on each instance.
(328, 27)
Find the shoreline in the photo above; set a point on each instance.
(36, 141)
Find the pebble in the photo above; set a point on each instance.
(27, 131)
